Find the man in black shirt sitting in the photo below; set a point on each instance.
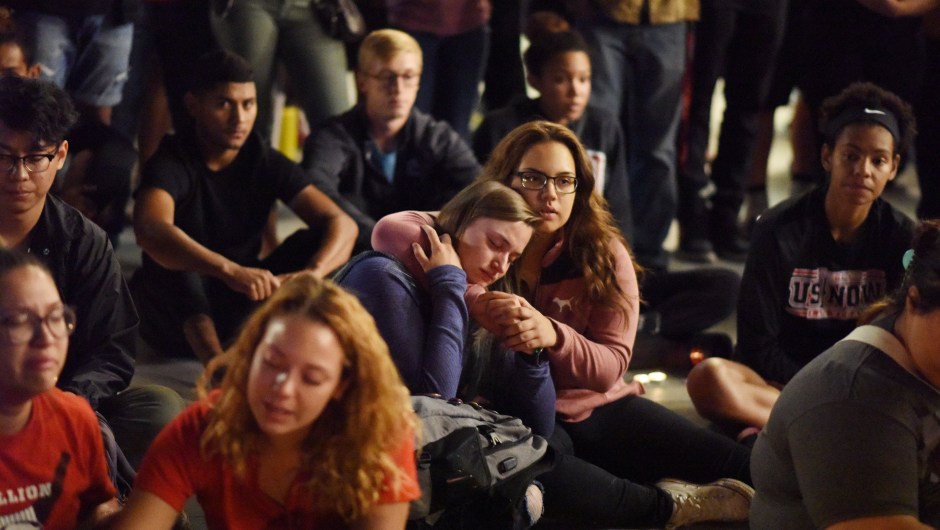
(201, 210)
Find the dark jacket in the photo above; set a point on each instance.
(100, 360)
(433, 164)
(802, 291)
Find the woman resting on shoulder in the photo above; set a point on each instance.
(53, 472)
(579, 317)
(311, 427)
(852, 440)
(416, 293)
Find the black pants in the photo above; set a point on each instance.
(606, 463)
(740, 44)
(164, 298)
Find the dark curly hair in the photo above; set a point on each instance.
(36, 107)
(869, 95)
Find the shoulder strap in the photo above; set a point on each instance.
(885, 341)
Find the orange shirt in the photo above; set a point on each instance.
(174, 469)
(55, 466)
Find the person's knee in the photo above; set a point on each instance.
(706, 384)
(150, 406)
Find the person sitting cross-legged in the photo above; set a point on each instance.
(816, 260)
(35, 117)
(200, 214)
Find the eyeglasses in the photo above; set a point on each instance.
(34, 163)
(536, 180)
(408, 79)
(20, 327)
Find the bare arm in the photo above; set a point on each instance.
(97, 515)
(339, 230)
(173, 249)
(144, 511)
(887, 522)
(900, 8)
(383, 517)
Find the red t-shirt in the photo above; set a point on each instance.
(55, 466)
(175, 469)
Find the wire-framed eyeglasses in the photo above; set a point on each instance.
(388, 79)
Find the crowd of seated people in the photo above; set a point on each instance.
(522, 273)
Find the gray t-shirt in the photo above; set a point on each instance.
(852, 435)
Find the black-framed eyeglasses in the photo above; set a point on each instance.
(387, 79)
(33, 162)
(20, 327)
(536, 180)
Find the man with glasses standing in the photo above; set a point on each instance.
(34, 119)
(383, 155)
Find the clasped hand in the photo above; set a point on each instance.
(512, 318)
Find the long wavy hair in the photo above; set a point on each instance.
(590, 229)
(348, 451)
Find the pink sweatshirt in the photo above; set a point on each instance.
(595, 343)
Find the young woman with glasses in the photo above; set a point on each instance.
(53, 472)
(578, 314)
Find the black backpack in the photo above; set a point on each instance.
(474, 466)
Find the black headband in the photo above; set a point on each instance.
(877, 115)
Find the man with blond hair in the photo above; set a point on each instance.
(383, 155)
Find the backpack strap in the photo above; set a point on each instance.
(885, 341)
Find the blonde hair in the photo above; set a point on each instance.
(348, 451)
(590, 229)
(384, 44)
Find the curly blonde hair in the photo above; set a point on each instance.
(348, 452)
(590, 229)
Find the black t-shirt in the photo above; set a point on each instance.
(225, 210)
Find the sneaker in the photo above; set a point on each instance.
(725, 500)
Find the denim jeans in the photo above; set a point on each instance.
(453, 68)
(267, 31)
(637, 75)
(87, 56)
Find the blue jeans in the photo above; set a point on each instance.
(453, 68)
(87, 56)
(638, 72)
(266, 31)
